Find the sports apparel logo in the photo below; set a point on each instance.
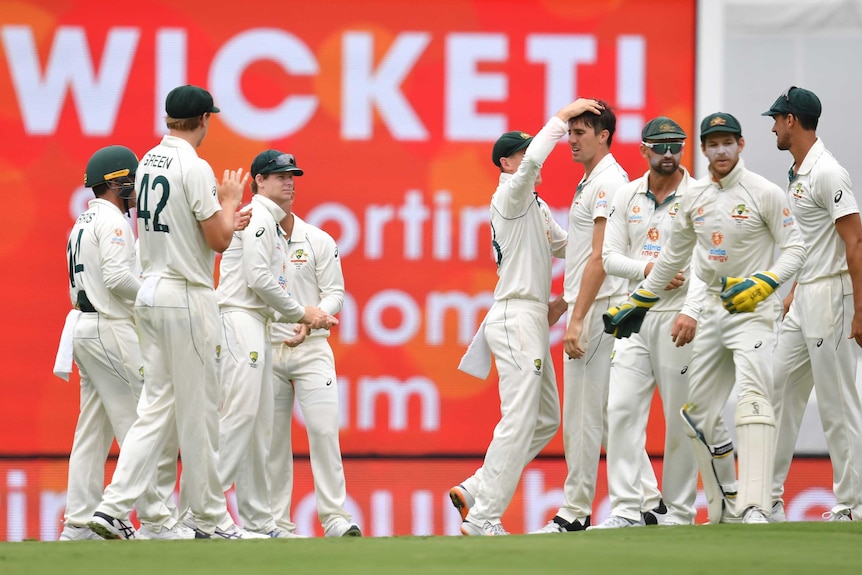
(838, 196)
(253, 356)
(758, 344)
(537, 363)
(259, 232)
(329, 382)
(740, 214)
(797, 191)
(141, 370)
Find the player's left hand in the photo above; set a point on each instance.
(624, 320)
(571, 339)
(683, 329)
(301, 331)
(741, 295)
(241, 218)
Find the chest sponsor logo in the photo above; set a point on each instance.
(717, 254)
(788, 217)
(699, 219)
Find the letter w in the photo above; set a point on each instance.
(69, 65)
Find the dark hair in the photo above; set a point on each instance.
(99, 190)
(807, 122)
(607, 120)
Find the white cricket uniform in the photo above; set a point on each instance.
(252, 283)
(585, 380)
(524, 236)
(101, 256)
(307, 373)
(734, 225)
(813, 336)
(177, 318)
(635, 233)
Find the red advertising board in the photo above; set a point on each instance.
(391, 109)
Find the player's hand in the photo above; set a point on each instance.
(578, 107)
(571, 340)
(741, 295)
(231, 186)
(676, 282)
(300, 333)
(241, 218)
(683, 329)
(316, 318)
(626, 319)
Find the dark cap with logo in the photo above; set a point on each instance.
(662, 128)
(719, 122)
(796, 101)
(272, 161)
(189, 102)
(508, 144)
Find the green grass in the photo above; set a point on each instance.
(828, 548)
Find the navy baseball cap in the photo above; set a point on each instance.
(795, 101)
(508, 144)
(189, 102)
(272, 161)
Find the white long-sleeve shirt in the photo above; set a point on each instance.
(253, 269)
(734, 225)
(314, 276)
(524, 233)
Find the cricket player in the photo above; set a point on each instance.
(731, 220)
(516, 329)
(253, 287)
(640, 223)
(184, 216)
(825, 315)
(103, 286)
(587, 292)
(304, 367)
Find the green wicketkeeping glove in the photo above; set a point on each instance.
(741, 295)
(626, 319)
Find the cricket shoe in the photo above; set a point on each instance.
(487, 528)
(560, 525)
(234, 531)
(840, 515)
(776, 514)
(755, 516)
(77, 533)
(342, 528)
(617, 522)
(175, 533)
(108, 527)
(279, 533)
(462, 500)
(655, 516)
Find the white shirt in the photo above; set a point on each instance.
(176, 189)
(524, 233)
(253, 269)
(635, 233)
(820, 194)
(592, 200)
(100, 257)
(314, 275)
(734, 225)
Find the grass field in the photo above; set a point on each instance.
(827, 548)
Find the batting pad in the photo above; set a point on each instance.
(755, 432)
(716, 469)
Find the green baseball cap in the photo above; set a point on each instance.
(795, 101)
(508, 144)
(272, 161)
(662, 128)
(719, 122)
(189, 102)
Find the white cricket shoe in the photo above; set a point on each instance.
(616, 522)
(342, 528)
(237, 532)
(755, 516)
(487, 528)
(560, 525)
(108, 527)
(77, 533)
(279, 533)
(840, 515)
(462, 500)
(656, 515)
(175, 533)
(776, 514)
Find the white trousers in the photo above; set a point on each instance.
(306, 373)
(180, 343)
(245, 424)
(109, 360)
(813, 340)
(517, 334)
(641, 362)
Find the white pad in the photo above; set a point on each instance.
(713, 462)
(755, 432)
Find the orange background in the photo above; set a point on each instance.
(40, 173)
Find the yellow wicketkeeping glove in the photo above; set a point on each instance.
(626, 319)
(741, 295)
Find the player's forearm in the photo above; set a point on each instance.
(594, 275)
(122, 283)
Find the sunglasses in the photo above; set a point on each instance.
(283, 160)
(662, 148)
(786, 96)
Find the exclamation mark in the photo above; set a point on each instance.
(631, 87)
(16, 505)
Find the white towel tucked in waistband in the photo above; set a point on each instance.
(63, 361)
(147, 293)
(477, 359)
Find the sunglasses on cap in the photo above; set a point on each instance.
(283, 160)
(786, 96)
(661, 148)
